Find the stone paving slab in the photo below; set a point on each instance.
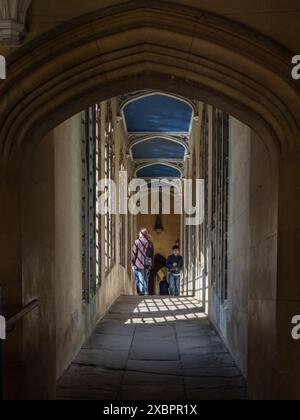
(215, 382)
(155, 331)
(109, 342)
(71, 394)
(156, 349)
(217, 394)
(211, 371)
(160, 367)
(114, 327)
(207, 360)
(141, 378)
(153, 348)
(86, 377)
(106, 359)
(153, 392)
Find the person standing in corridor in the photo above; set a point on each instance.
(175, 267)
(142, 260)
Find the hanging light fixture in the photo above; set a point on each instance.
(158, 224)
(158, 220)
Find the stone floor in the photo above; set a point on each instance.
(153, 348)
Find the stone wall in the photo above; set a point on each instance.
(263, 282)
(10, 273)
(38, 280)
(52, 258)
(231, 316)
(246, 320)
(70, 328)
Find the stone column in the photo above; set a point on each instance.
(12, 21)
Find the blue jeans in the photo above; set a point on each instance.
(174, 284)
(142, 278)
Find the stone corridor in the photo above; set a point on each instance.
(153, 348)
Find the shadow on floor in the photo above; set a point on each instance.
(153, 348)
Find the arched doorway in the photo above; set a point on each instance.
(196, 55)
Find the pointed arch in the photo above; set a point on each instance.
(110, 52)
(158, 147)
(158, 170)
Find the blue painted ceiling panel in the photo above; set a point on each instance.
(158, 170)
(158, 113)
(158, 148)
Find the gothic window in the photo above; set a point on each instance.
(204, 159)
(109, 218)
(220, 168)
(98, 178)
(123, 224)
(89, 254)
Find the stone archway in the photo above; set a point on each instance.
(108, 51)
(187, 52)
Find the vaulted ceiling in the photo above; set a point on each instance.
(158, 126)
(156, 147)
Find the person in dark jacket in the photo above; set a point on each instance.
(175, 267)
(142, 260)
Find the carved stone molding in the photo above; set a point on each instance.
(12, 21)
(264, 97)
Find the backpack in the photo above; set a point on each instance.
(148, 263)
(164, 288)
